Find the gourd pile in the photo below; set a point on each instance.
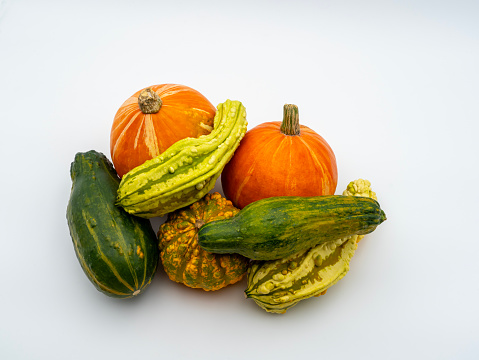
(279, 224)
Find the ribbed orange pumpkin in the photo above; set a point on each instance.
(153, 119)
(280, 159)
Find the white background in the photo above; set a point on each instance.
(391, 85)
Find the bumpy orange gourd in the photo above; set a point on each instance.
(183, 259)
(153, 119)
(280, 159)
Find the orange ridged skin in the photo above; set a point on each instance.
(183, 259)
(136, 137)
(269, 163)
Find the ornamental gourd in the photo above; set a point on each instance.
(187, 170)
(277, 227)
(278, 285)
(280, 159)
(118, 252)
(182, 258)
(153, 119)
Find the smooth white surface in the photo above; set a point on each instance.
(391, 85)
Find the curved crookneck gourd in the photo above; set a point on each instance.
(280, 284)
(187, 170)
(117, 251)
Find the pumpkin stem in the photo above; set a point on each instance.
(290, 124)
(149, 101)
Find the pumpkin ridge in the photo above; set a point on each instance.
(200, 110)
(330, 170)
(317, 164)
(251, 169)
(150, 136)
(168, 118)
(138, 133)
(173, 90)
(125, 113)
(123, 133)
(281, 148)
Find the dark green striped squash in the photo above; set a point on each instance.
(277, 227)
(117, 251)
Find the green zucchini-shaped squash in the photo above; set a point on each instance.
(187, 170)
(117, 251)
(277, 285)
(277, 227)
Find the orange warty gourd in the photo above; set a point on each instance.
(153, 119)
(280, 159)
(184, 260)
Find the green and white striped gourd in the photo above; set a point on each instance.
(187, 170)
(278, 285)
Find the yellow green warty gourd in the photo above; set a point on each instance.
(187, 170)
(277, 285)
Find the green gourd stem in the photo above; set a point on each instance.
(290, 124)
(149, 101)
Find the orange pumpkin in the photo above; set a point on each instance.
(280, 159)
(153, 119)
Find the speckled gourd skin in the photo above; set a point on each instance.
(280, 284)
(182, 258)
(187, 170)
(117, 251)
(362, 188)
(276, 227)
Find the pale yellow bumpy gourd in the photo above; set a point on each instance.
(280, 284)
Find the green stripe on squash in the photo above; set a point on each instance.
(277, 227)
(118, 252)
